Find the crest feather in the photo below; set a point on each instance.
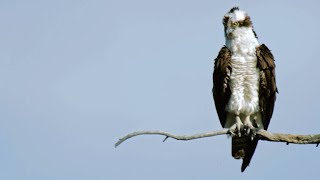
(233, 9)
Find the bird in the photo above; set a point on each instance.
(244, 84)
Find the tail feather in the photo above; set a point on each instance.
(243, 148)
(251, 147)
(238, 147)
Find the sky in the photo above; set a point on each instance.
(78, 75)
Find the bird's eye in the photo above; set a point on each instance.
(235, 24)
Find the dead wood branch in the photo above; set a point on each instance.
(261, 134)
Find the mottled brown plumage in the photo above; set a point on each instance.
(221, 87)
(268, 87)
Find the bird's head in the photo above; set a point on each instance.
(236, 22)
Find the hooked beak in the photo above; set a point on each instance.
(229, 33)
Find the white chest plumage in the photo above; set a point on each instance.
(244, 78)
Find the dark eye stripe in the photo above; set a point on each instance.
(244, 23)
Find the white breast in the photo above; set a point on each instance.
(244, 78)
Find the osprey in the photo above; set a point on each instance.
(244, 84)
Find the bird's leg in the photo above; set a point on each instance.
(237, 127)
(248, 128)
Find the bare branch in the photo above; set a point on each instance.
(289, 138)
(177, 137)
(261, 134)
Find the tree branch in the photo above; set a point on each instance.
(261, 134)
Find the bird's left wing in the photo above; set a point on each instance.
(221, 88)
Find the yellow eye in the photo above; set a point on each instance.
(235, 24)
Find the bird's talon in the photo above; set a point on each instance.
(248, 132)
(232, 133)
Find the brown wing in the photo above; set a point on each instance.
(267, 95)
(267, 87)
(221, 87)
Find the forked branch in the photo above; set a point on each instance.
(261, 134)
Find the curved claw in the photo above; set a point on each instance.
(239, 127)
(231, 133)
(236, 129)
(250, 131)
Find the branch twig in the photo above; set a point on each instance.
(261, 134)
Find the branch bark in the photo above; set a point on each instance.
(261, 134)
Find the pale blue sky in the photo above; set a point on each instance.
(77, 75)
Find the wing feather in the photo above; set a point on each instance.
(267, 87)
(221, 87)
